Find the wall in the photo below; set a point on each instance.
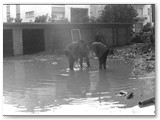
(57, 36)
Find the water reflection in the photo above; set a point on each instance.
(33, 87)
(78, 83)
(28, 86)
(103, 86)
(104, 82)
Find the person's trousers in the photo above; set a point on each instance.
(102, 60)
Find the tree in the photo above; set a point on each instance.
(18, 19)
(62, 20)
(10, 19)
(147, 27)
(92, 19)
(42, 18)
(118, 13)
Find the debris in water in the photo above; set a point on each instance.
(54, 63)
(64, 74)
(88, 94)
(41, 59)
(146, 103)
(129, 96)
(122, 93)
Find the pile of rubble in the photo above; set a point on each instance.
(144, 67)
(145, 54)
(139, 50)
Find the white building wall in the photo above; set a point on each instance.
(147, 12)
(144, 11)
(12, 12)
(38, 10)
(4, 13)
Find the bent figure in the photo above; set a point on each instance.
(101, 52)
(75, 51)
(99, 38)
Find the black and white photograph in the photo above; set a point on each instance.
(79, 59)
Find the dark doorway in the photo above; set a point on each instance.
(7, 42)
(33, 41)
(79, 15)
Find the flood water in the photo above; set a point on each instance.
(45, 86)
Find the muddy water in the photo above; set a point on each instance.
(45, 86)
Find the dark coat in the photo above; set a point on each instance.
(75, 51)
(72, 50)
(99, 48)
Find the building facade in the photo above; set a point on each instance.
(28, 13)
(145, 15)
(144, 12)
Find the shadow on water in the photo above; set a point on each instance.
(34, 87)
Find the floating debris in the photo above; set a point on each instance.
(54, 63)
(129, 96)
(88, 94)
(122, 93)
(42, 59)
(146, 103)
(65, 75)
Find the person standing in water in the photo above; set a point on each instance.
(101, 52)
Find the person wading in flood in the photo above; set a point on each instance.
(101, 52)
(75, 51)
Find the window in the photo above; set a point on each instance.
(29, 14)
